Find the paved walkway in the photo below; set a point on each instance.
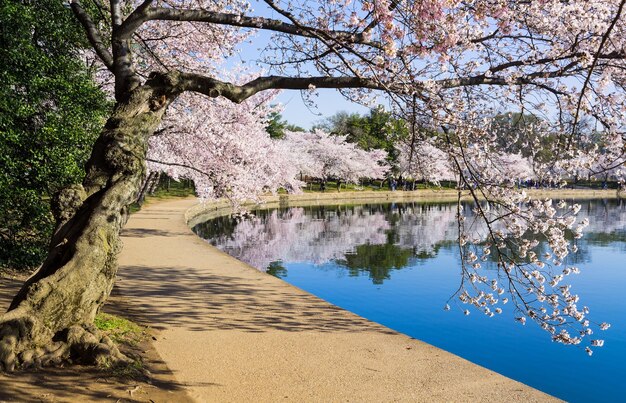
(232, 333)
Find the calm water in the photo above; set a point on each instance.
(396, 264)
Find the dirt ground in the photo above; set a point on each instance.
(89, 384)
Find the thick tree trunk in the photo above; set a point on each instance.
(146, 188)
(50, 319)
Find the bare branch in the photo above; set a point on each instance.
(116, 13)
(138, 17)
(605, 37)
(238, 93)
(92, 34)
(176, 164)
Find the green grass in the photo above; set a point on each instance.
(135, 370)
(173, 191)
(120, 330)
(123, 332)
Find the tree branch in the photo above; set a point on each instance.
(605, 37)
(239, 93)
(323, 37)
(93, 36)
(138, 17)
(116, 13)
(131, 23)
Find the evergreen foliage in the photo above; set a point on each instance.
(276, 126)
(379, 130)
(50, 115)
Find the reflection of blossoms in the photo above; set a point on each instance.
(424, 226)
(603, 217)
(295, 237)
(533, 257)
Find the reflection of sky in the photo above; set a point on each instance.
(411, 302)
(410, 299)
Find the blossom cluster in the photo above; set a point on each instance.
(453, 66)
(226, 150)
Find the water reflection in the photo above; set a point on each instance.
(375, 239)
(376, 260)
(399, 264)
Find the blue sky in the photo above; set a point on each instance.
(328, 102)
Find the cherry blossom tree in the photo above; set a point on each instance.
(602, 159)
(225, 149)
(456, 63)
(515, 166)
(322, 155)
(422, 160)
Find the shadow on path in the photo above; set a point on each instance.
(180, 297)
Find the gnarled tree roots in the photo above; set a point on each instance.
(78, 344)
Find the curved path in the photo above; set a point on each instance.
(231, 333)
